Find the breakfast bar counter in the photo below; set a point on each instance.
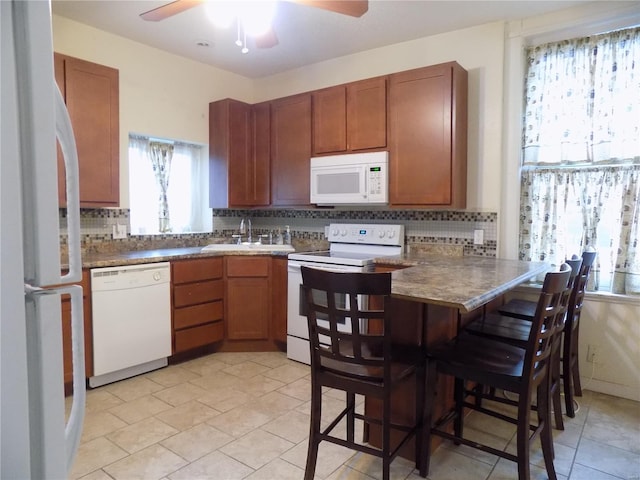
(462, 283)
(432, 297)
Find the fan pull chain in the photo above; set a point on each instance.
(238, 41)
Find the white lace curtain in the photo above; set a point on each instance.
(565, 211)
(581, 150)
(583, 100)
(175, 201)
(161, 154)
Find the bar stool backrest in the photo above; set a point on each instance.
(336, 299)
(550, 312)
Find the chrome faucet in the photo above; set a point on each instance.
(245, 229)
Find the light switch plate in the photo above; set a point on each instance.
(478, 237)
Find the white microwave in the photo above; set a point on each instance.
(350, 179)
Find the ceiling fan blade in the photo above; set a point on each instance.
(170, 9)
(267, 40)
(354, 8)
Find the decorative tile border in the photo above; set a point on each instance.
(421, 227)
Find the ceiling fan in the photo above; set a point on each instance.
(353, 8)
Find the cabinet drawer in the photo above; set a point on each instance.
(197, 314)
(195, 293)
(196, 270)
(248, 266)
(198, 336)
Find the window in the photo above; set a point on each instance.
(580, 182)
(168, 187)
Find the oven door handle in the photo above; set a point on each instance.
(295, 267)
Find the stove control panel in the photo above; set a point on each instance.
(370, 234)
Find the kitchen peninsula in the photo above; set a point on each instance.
(432, 297)
(462, 283)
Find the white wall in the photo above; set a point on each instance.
(161, 94)
(611, 325)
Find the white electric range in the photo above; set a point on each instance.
(353, 248)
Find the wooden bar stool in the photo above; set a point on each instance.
(516, 331)
(499, 365)
(515, 320)
(358, 362)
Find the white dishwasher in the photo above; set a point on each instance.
(131, 313)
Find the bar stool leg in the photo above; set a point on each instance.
(314, 441)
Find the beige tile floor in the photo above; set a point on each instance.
(246, 416)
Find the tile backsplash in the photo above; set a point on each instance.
(422, 228)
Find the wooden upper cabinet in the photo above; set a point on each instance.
(91, 93)
(428, 136)
(238, 154)
(290, 150)
(261, 153)
(367, 114)
(329, 120)
(350, 117)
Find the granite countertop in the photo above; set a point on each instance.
(100, 260)
(464, 283)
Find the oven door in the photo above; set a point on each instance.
(297, 328)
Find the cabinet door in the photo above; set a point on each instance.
(367, 114)
(427, 134)
(248, 303)
(261, 153)
(229, 153)
(247, 297)
(329, 120)
(91, 95)
(290, 150)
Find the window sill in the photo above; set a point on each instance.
(606, 297)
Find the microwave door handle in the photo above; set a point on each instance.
(366, 183)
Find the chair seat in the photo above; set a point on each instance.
(499, 327)
(404, 364)
(481, 360)
(519, 308)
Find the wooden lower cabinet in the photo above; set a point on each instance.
(197, 300)
(255, 303)
(248, 299)
(67, 359)
(235, 303)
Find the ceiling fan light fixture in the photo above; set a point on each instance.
(257, 16)
(221, 13)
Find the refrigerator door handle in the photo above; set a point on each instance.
(67, 141)
(73, 429)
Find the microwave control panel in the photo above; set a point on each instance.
(377, 183)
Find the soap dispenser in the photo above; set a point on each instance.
(287, 235)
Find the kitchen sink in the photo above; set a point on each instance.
(235, 247)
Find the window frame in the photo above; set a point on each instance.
(580, 21)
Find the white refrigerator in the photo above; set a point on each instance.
(38, 440)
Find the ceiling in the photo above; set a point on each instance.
(306, 34)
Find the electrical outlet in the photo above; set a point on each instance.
(119, 231)
(478, 237)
